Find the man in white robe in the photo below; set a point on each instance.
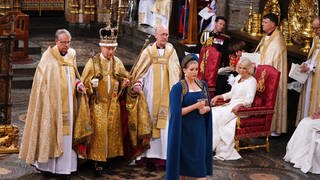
(310, 96)
(47, 137)
(156, 71)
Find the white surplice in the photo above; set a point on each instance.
(312, 63)
(303, 148)
(158, 147)
(145, 16)
(154, 12)
(224, 121)
(67, 163)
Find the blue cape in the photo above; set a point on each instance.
(174, 135)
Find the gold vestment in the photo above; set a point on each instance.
(45, 122)
(106, 140)
(274, 52)
(139, 117)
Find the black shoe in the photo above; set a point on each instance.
(65, 176)
(99, 171)
(151, 166)
(98, 168)
(45, 173)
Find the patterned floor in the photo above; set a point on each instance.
(255, 164)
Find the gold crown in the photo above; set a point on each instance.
(108, 36)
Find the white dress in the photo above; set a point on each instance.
(303, 149)
(224, 121)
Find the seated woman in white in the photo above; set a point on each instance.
(303, 149)
(223, 118)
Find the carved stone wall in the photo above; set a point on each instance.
(237, 12)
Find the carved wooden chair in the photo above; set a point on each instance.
(255, 121)
(21, 31)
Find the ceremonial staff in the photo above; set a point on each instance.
(96, 77)
(146, 41)
(136, 61)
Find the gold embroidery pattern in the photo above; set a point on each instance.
(261, 85)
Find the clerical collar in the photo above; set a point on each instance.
(63, 53)
(160, 47)
(269, 34)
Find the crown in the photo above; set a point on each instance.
(108, 36)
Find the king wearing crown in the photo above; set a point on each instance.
(105, 77)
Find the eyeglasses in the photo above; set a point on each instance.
(65, 42)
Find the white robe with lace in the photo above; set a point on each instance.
(224, 121)
(303, 149)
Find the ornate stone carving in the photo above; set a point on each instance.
(9, 138)
(299, 13)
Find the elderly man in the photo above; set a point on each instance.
(273, 51)
(310, 97)
(154, 74)
(47, 136)
(105, 77)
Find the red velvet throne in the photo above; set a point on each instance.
(255, 121)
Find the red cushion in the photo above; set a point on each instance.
(254, 121)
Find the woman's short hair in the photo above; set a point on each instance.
(186, 61)
(247, 64)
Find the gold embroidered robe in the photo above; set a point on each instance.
(314, 99)
(139, 117)
(274, 52)
(106, 141)
(46, 119)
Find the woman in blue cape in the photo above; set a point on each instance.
(189, 152)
